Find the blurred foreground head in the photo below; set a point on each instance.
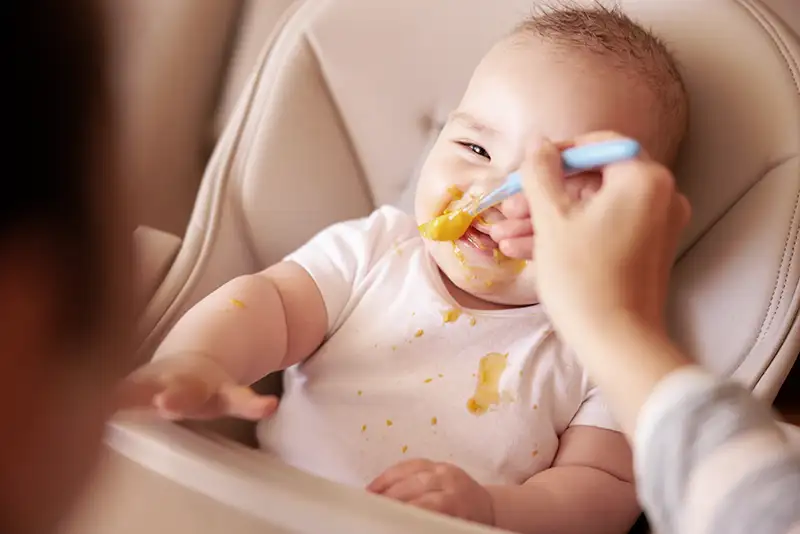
(62, 247)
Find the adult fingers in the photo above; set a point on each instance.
(510, 228)
(638, 184)
(519, 248)
(543, 182)
(515, 207)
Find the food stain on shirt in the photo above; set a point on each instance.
(451, 315)
(535, 406)
(363, 428)
(238, 303)
(360, 392)
(405, 449)
(389, 422)
(419, 333)
(472, 321)
(428, 380)
(394, 347)
(434, 421)
(490, 369)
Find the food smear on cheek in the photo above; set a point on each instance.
(455, 192)
(238, 303)
(516, 266)
(459, 255)
(490, 369)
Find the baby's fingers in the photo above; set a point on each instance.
(137, 394)
(243, 402)
(183, 397)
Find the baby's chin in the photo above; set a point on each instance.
(503, 285)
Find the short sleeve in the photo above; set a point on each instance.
(593, 411)
(341, 256)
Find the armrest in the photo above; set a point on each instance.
(154, 251)
(260, 486)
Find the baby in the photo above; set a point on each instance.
(424, 370)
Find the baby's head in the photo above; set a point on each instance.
(564, 72)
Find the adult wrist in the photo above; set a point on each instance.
(627, 357)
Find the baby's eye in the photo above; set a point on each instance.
(477, 149)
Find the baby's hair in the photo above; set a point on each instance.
(609, 33)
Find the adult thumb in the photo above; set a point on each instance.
(543, 181)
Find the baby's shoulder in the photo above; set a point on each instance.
(394, 222)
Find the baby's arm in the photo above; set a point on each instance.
(254, 324)
(244, 330)
(588, 490)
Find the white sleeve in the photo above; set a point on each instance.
(593, 411)
(339, 257)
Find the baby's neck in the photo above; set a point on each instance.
(468, 300)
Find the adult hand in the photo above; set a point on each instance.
(440, 487)
(606, 253)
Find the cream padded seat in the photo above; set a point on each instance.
(336, 120)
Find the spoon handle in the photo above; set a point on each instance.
(575, 159)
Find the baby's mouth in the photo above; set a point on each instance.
(479, 240)
(477, 235)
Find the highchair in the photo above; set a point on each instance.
(338, 115)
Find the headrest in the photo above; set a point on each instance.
(392, 71)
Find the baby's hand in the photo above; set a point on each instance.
(192, 386)
(440, 487)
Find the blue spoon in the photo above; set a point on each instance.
(576, 159)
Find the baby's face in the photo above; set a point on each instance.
(521, 89)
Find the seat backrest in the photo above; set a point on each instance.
(345, 102)
(178, 66)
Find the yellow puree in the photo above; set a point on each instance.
(448, 226)
(490, 370)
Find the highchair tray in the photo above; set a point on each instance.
(253, 483)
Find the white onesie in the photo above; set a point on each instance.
(393, 380)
